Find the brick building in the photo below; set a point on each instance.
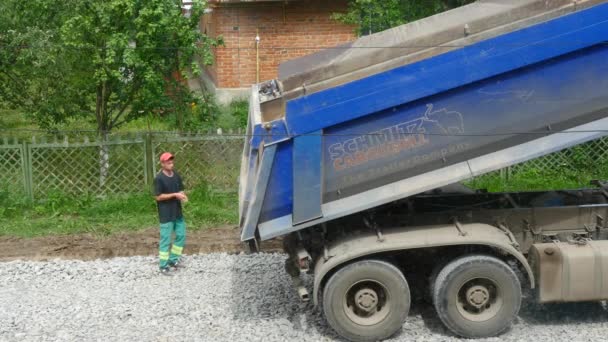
(286, 30)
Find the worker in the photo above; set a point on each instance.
(169, 192)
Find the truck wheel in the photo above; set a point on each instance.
(367, 300)
(477, 296)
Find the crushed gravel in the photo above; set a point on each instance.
(218, 297)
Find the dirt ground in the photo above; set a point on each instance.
(145, 242)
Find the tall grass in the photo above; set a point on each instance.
(61, 213)
(578, 168)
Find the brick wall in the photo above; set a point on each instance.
(286, 31)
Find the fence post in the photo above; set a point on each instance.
(149, 159)
(27, 169)
(25, 166)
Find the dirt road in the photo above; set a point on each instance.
(145, 242)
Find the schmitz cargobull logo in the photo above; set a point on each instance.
(396, 139)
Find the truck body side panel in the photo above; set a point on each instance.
(451, 127)
(434, 122)
(445, 72)
(458, 125)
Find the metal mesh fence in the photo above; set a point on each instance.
(211, 160)
(128, 164)
(98, 167)
(12, 167)
(119, 164)
(574, 167)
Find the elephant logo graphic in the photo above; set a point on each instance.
(441, 121)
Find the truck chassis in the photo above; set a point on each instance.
(363, 264)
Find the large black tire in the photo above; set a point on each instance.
(477, 296)
(366, 301)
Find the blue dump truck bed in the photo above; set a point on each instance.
(420, 107)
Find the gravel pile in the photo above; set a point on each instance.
(218, 297)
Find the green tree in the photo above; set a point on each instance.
(369, 16)
(107, 61)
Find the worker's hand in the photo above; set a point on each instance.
(181, 196)
(185, 196)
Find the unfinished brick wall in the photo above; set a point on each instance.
(286, 31)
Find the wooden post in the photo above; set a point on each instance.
(149, 159)
(26, 164)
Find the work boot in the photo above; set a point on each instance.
(165, 271)
(176, 265)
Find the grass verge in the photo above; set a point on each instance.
(60, 213)
(530, 178)
(64, 214)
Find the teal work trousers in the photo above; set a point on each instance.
(168, 253)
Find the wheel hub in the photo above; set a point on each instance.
(478, 296)
(367, 302)
(479, 299)
(366, 299)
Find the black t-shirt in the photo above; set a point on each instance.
(169, 210)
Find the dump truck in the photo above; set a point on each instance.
(355, 158)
